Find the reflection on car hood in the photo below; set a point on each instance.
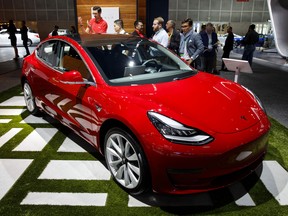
(201, 101)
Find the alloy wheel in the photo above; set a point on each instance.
(123, 161)
(29, 98)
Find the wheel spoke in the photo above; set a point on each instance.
(135, 169)
(121, 145)
(132, 157)
(115, 163)
(30, 104)
(127, 149)
(114, 153)
(116, 147)
(119, 172)
(126, 176)
(134, 180)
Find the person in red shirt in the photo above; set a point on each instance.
(96, 24)
(139, 26)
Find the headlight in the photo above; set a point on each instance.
(177, 132)
(256, 98)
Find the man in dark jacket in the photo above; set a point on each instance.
(249, 41)
(12, 36)
(139, 27)
(24, 37)
(210, 42)
(174, 36)
(229, 43)
(191, 45)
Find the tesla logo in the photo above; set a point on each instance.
(243, 118)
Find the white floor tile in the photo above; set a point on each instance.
(11, 170)
(34, 120)
(7, 136)
(237, 190)
(75, 170)
(136, 203)
(14, 101)
(246, 200)
(11, 112)
(70, 146)
(5, 121)
(65, 199)
(275, 179)
(36, 140)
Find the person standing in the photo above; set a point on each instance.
(12, 36)
(249, 41)
(95, 25)
(160, 35)
(191, 45)
(73, 30)
(174, 36)
(24, 36)
(229, 43)
(210, 42)
(139, 26)
(55, 31)
(119, 26)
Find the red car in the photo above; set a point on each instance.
(159, 123)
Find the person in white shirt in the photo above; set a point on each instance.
(160, 35)
(119, 27)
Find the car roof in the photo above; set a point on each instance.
(102, 39)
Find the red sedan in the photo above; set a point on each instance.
(159, 123)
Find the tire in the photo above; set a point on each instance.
(126, 161)
(30, 99)
(29, 42)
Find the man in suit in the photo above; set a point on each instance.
(174, 36)
(191, 45)
(229, 43)
(210, 42)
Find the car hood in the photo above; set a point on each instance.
(202, 101)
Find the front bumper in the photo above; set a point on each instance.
(182, 169)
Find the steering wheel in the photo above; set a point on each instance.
(153, 61)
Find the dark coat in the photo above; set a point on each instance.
(205, 40)
(229, 42)
(24, 33)
(175, 41)
(251, 38)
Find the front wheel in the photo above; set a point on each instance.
(29, 99)
(126, 161)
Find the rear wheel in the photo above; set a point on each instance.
(126, 161)
(30, 99)
(29, 42)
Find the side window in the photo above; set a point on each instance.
(48, 52)
(70, 60)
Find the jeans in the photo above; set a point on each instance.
(248, 53)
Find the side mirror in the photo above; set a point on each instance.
(71, 77)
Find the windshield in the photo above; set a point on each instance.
(137, 61)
